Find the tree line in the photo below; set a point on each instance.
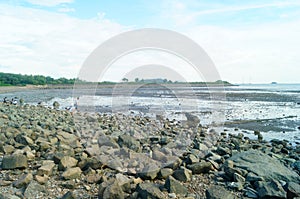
(10, 79)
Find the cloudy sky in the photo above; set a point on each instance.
(249, 41)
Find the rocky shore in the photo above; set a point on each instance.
(48, 153)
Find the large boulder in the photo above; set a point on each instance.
(218, 192)
(17, 161)
(263, 165)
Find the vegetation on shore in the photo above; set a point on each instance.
(10, 79)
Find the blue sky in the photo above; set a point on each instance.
(249, 41)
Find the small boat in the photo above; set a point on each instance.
(274, 83)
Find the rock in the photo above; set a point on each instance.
(46, 169)
(296, 165)
(174, 186)
(165, 172)
(56, 105)
(23, 180)
(223, 150)
(113, 191)
(183, 175)
(105, 140)
(218, 192)
(149, 172)
(129, 142)
(69, 195)
(238, 178)
(192, 159)
(8, 196)
(67, 162)
(124, 182)
(264, 166)
(235, 185)
(149, 190)
(271, 189)
(200, 167)
(72, 173)
(41, 179)
(8, 149)
(251, 193)
(35, 190)
(251, 177)
(293, 190)
(24, 140)
(17, 161)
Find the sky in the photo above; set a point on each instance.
(248, 41)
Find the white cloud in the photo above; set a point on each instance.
(49, 2)
(41, 42)
(65, 10)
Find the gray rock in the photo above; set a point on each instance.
(183, 175)
(8, 196)
(238, 178)
(271, 189)
(67, 162)
(69, 195)
(46, 169)
(105, 140)
(174, 186)
(251, 193)
(113, 191)
(17, 161)
(123, 182)
(72, 173)
(35, 190)
(165, 172)
(150, 171)
(23, 180)
(149, 191)
(200, 167)
(129, 142)
(218, 192)
(293, 190)
(251, 177)
(264, 166)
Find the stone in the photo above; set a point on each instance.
(251, 177)
(238, 178)
(251, 193)
(165, 172)
(192, 159)
(113, 191)
(72, 173)
(67, 162)
(200, 167)
(183, 175)
(35, 190)
(8, 196)
(129, 142)
(41, 179)
(68, 195)
(105, 140)
(23, 180)
(271, 189)
(123, 182)
(17, 161)
(264, 166)
(293, 190)
(174, 186)
(46, 169)
(149, 190)
(149, 172)
(218, 192)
